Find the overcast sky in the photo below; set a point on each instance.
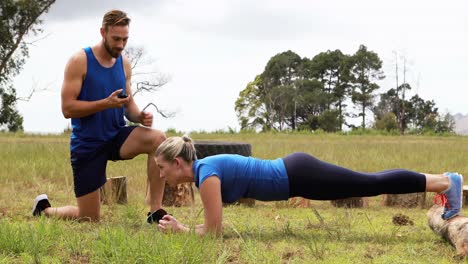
(212, 49)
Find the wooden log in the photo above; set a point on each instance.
(179, 195)
(114, 190)
(299, 202)
(353, 202)
(454, 230)
(247, 202)
(408, 200)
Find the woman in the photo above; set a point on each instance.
(228, 177)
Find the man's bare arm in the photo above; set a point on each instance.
(71, 88)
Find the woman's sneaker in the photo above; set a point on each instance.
(40, 204)
(453, 196)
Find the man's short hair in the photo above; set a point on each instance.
(115, 18)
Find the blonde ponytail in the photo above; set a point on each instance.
(174, 147)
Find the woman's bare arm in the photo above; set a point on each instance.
(210, 192)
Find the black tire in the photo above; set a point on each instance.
(210, 148)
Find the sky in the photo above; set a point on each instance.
(211, 49)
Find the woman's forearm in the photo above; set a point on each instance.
(182, 228)
(199, 229)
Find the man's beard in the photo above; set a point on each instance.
(113, 53)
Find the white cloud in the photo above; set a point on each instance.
(212, 49)
(67, 10)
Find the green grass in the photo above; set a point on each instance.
(268, 233)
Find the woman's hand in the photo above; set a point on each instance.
(169, 223)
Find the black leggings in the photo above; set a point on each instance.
(314, 179)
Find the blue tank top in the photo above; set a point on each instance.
(244, 177)
(91, 132)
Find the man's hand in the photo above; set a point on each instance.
(114, 101)
(146, 118)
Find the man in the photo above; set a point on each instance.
(96, 94)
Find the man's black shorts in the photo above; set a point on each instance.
(89, 169)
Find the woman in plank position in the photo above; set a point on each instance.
(229, 177)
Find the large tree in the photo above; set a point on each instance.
(252, 109)
(270, 101)
(332, 69)
(280, 76)
(365, 70)
(9, 116)
(423, 114)
(247, 105)
(18, 18)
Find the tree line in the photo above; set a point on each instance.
(294, 93)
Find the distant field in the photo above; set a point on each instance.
(268, 233)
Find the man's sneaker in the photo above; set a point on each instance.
(40, 204)
(452, 201)
(155, 216)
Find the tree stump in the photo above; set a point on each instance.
(114, 190)
(179, 195)
(210, 148)
(407, 200)
(353, 202)
(465, 195)
(454, 230)
(298, 202)
(242, 201)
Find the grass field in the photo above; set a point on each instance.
(268, 233)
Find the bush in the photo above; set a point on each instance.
(388, 122)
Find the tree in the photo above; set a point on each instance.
(270, 101)
(310, 103)
(282, 71)
(445, 124)
(18, 18)
(390, 106)
(144, 80)
(387, 122)
(423, 114)
(401, 89)
(9, 116)
(402, 107)
(251, 110)
(333, 70)
(365, 70)
(283, 99)
(330, 120)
